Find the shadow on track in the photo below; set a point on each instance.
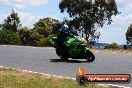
(67, 61)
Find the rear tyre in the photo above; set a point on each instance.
(89, 56)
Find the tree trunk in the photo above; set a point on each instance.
(87, 36)
(82, 33)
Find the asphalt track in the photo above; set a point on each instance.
(45, 60)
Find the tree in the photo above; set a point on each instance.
(51, 23)
(25, 36)
(87, 15)
(46, 26)
(12, 22)
(0, 25)
(129, 35)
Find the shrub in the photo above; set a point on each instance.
(129, 47)
(35, 37)
(25, 36)
(52, 35)
(29, 37)
(44, 42)
(112, 46)
(8, 37)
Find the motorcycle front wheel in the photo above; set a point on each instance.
(89, 56)
(61, 54)
(64, 58)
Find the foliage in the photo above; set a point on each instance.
(46, 26)
(129, 47)
(112, 46)
(43, 31)
(129, 35)
(28, 37)
(25, 36)
(89, 14)
(52, 35)
(1, 25)
(38, 36)
(44, 42)
(35, 37)
(8, 37)
(12, 22)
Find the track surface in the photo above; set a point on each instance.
(45, 60)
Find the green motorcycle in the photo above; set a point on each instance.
(76, 49)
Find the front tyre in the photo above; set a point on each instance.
(60, 53)
(89, 56)
(64, 58)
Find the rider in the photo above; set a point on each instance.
(62, 37)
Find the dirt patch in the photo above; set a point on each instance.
(112, 51)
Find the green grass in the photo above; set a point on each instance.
(11, 78)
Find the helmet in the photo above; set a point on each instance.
(64, 28)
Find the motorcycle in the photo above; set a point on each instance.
(76, 49)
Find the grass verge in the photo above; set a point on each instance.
(11, 78)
